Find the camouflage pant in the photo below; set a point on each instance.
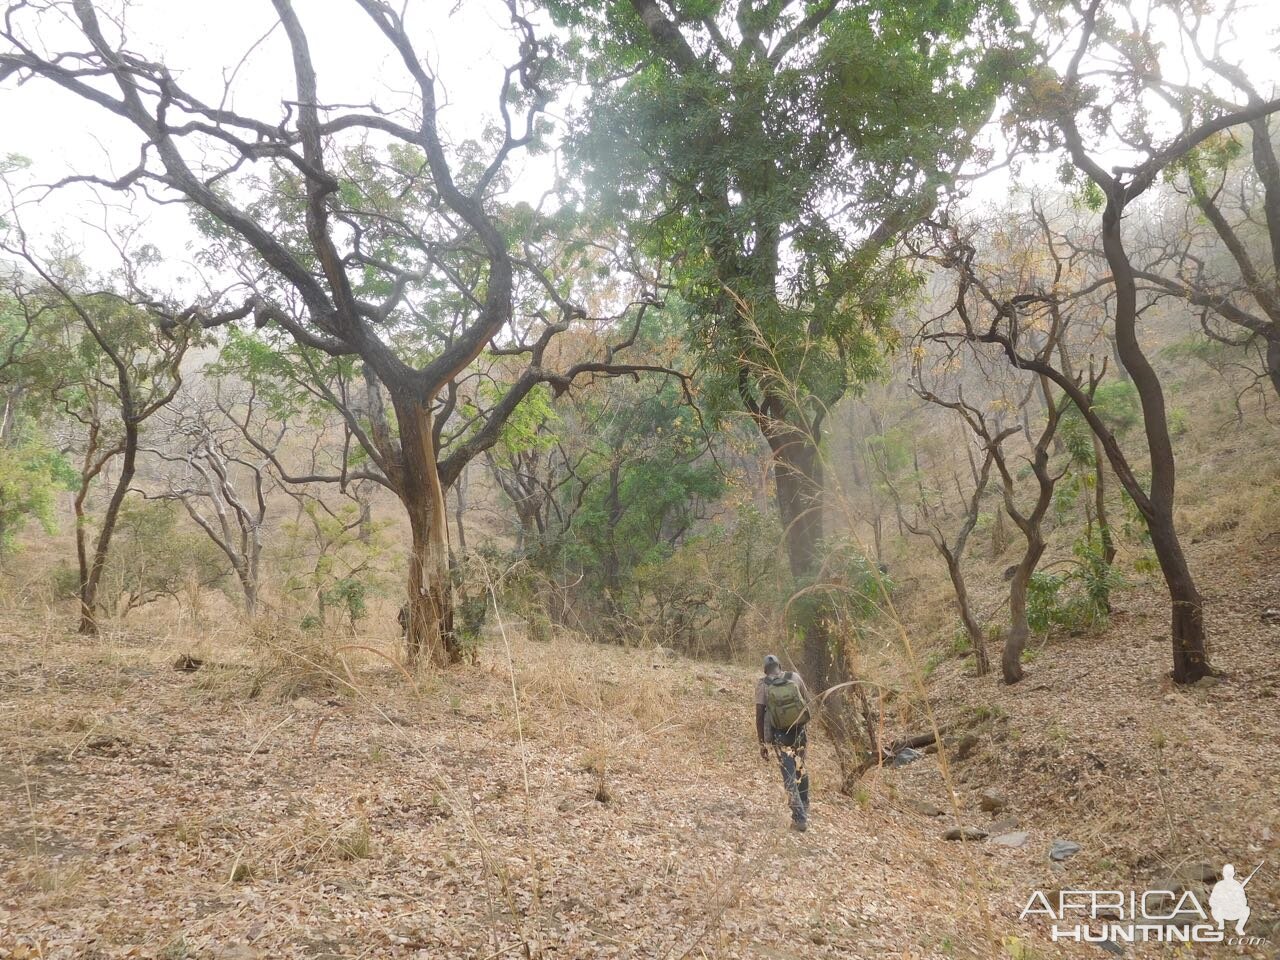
(790, 746)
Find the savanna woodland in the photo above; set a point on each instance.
(639, 478)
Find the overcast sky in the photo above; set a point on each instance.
(466, 41)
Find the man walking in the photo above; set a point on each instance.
(782, 714)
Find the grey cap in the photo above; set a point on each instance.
(772, 663)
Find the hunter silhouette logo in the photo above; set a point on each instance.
(1228, 901)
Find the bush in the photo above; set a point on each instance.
(1077, 600)
(153, 557)
(286, 664)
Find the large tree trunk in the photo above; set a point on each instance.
(798, 483)
(428, 619)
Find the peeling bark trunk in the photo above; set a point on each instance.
(428, 621)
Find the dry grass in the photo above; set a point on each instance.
(280, 663)
(626, 808)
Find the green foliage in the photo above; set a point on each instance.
(31, 474)
(348, 594)
(331, 554)
(1077, 437)
(715, 160)
(1213, 353)
(648, 482)
(1076, 600)
(1045, 607)
(1116, 402)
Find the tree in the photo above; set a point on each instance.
(774, 151)
(153, 558)
(31, 470)
(1105, 51)
(1232, 180)
(106, 365)
(928, 523)
(223, 491)
(647, 481)
(360, 234)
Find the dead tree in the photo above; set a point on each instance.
(223, 491)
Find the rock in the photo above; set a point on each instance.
(1197, 872)
(1208, 680)
(992, 802)
(1004, 825)
(925, 808)
(904, 756)
(968, 743)
(187, 663)
(1062, 849)
(965, 833)
(1015, 840)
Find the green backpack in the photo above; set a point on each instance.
(784, 704)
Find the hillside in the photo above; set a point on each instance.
(582, 801)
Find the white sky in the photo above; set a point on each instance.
(467, 42)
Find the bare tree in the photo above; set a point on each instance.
(930, 520)
(223, 491)
(1240, 202)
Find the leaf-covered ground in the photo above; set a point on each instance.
(572, 800)
(621, 811)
